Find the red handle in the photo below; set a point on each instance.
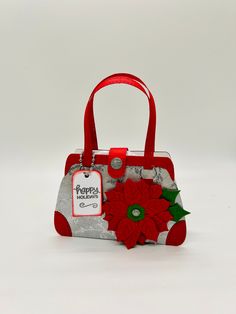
(89, 124)
(118, 75)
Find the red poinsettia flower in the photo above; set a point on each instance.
(135, 211)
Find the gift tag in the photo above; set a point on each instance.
(86, 193)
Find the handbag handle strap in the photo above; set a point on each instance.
(117, 75)
(90, 137)
(92, 121)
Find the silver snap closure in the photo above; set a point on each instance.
(116, 163)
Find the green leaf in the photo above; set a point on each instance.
(170, 195)
(177, 212)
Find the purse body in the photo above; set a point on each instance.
(121, 170)
(95, 226)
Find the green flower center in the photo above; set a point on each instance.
(135, 212)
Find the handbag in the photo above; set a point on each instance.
(118, 194)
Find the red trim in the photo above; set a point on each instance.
(61, 224)
(73, 212)
(162, 162)
(177, 234)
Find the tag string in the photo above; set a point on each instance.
(92, 162)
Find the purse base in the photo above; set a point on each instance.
(176, 236)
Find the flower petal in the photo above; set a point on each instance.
(113, 195)
(148, 181)
(162, 227)
(149, 229)
(132, 240)
(165, 216)
(141, 239)
(124, 229)
(156, 206)
(161, 220)
(144, 189)
(119, 186)
(105, 207)
(117, 208)
(108, 217)
(156, 191)
(132, 192)
(113, 223)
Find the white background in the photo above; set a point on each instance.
(52, 53)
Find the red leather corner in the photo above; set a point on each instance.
(61, 225)
(177, 234)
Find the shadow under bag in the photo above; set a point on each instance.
(117, 194)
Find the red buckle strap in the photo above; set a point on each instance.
(117, 162)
